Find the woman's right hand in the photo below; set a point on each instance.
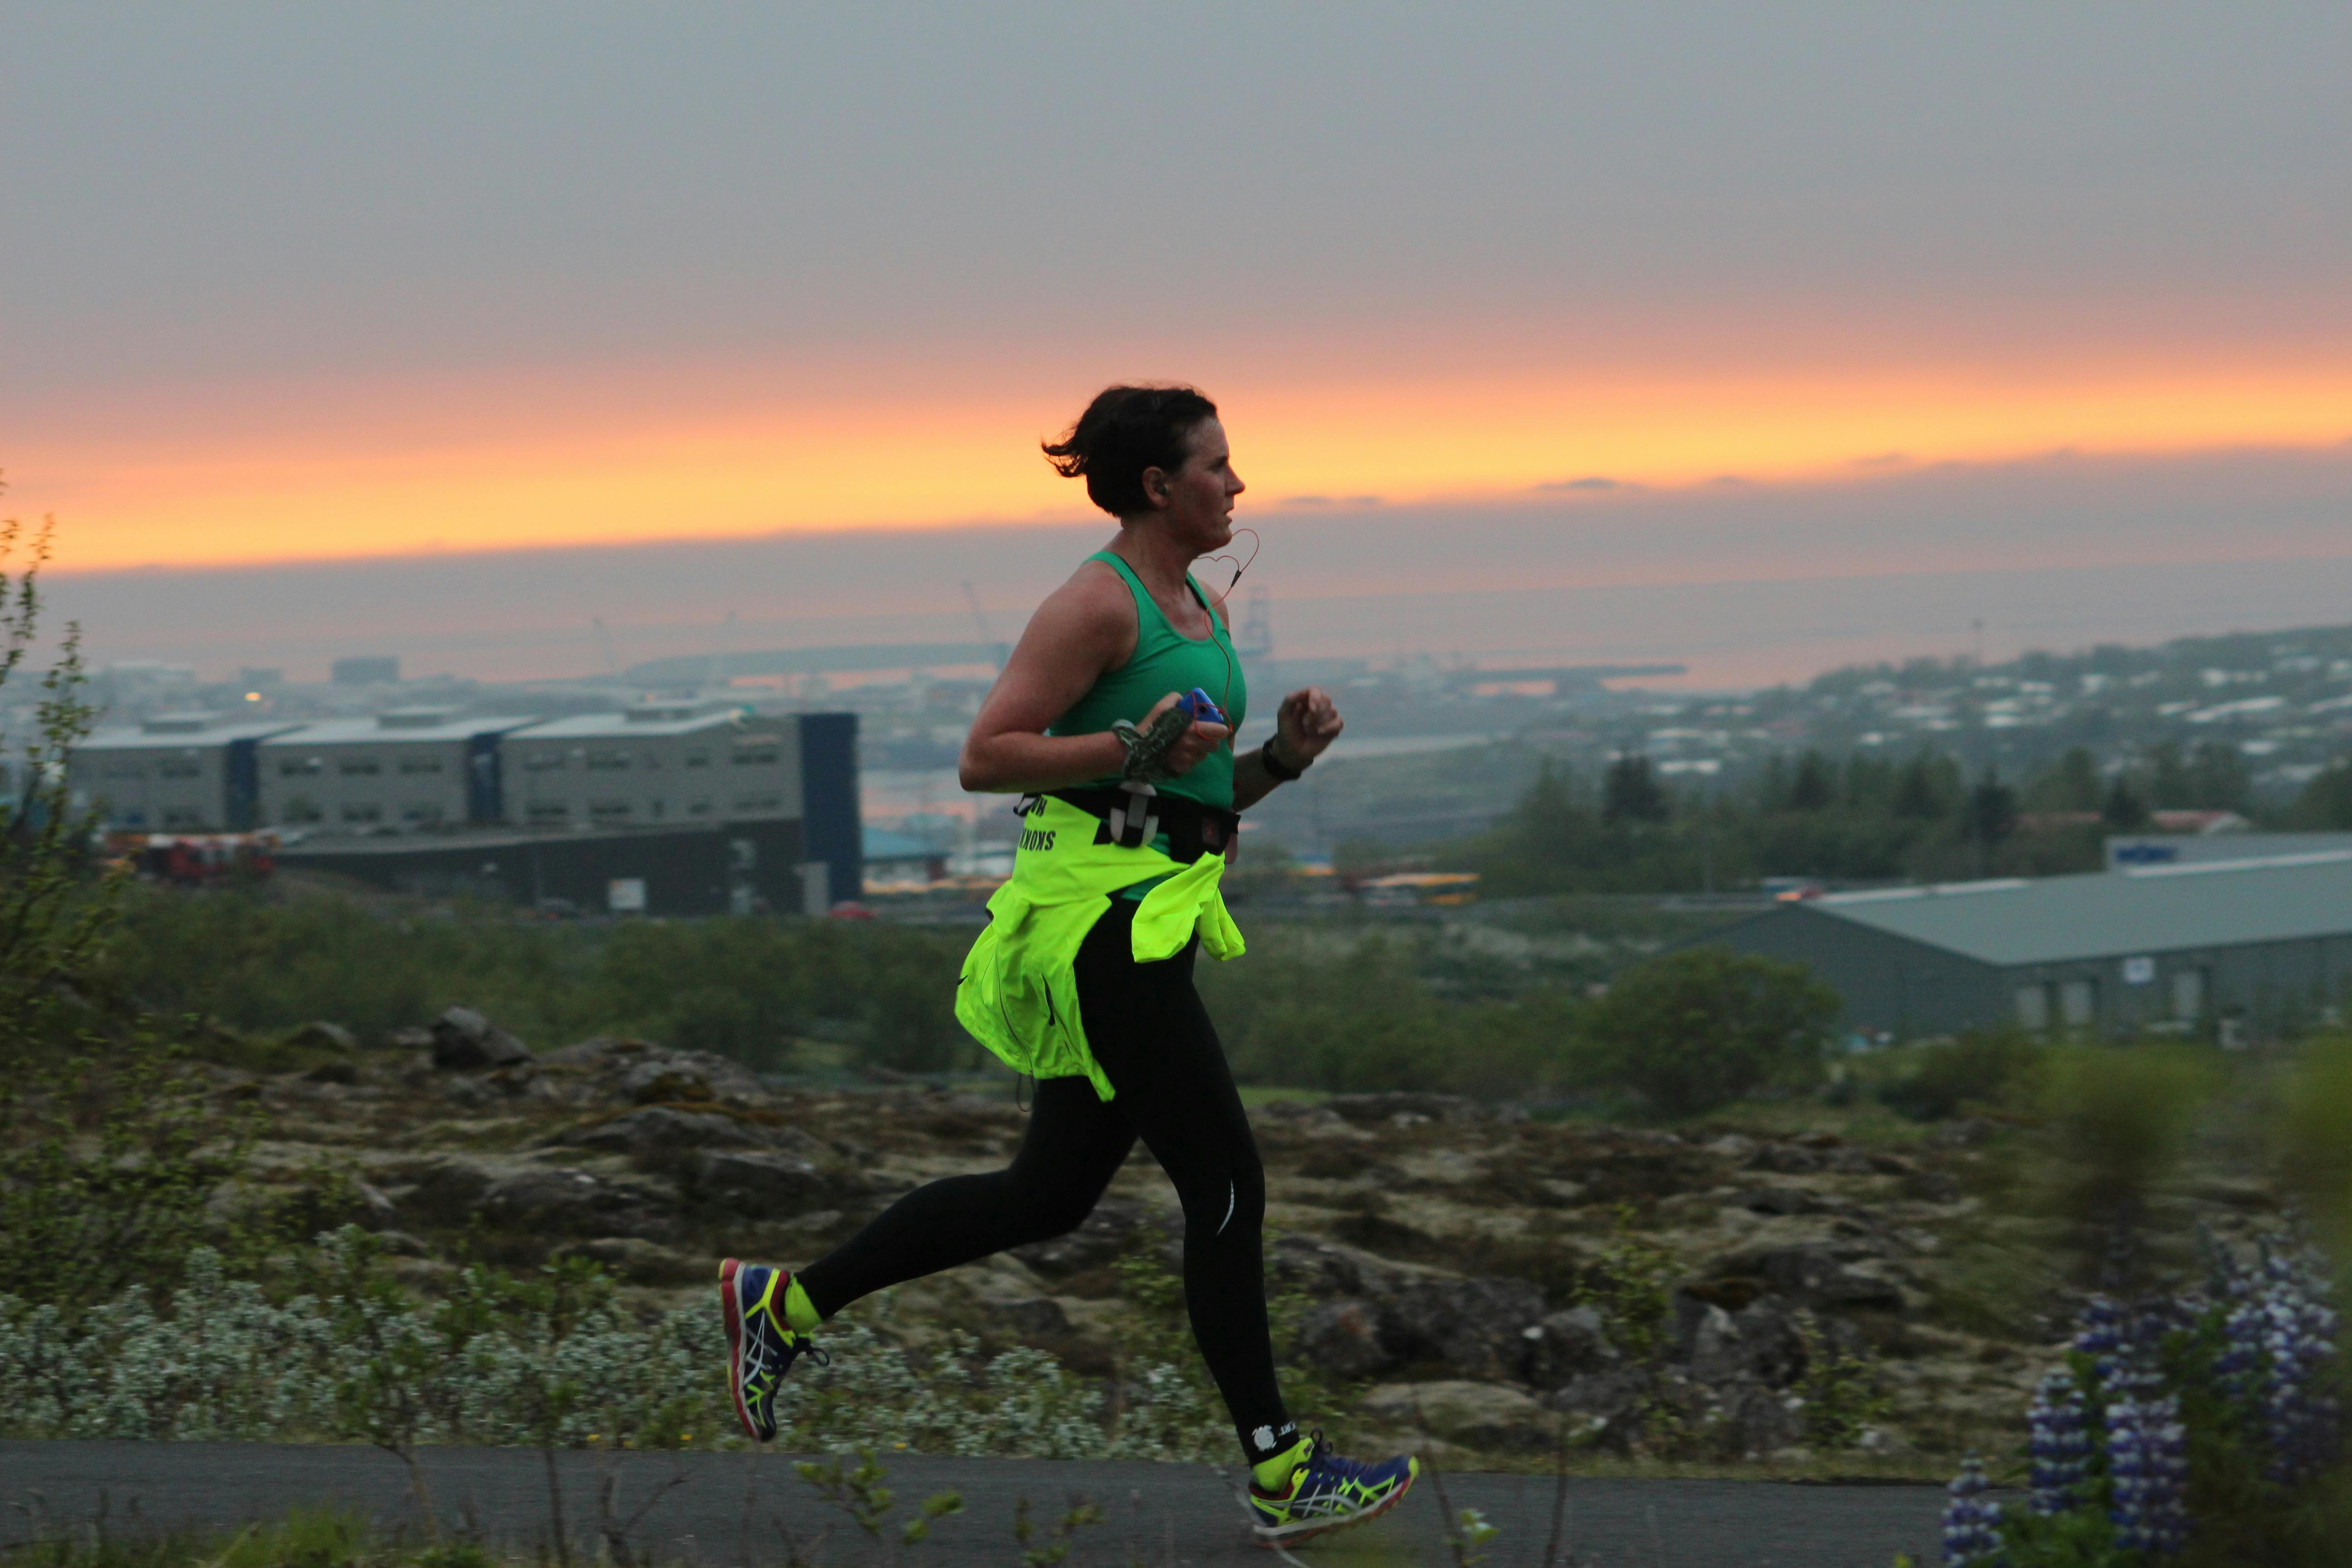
(1197, 743)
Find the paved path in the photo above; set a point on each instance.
(729, 1510)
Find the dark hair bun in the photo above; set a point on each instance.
(1125, 430)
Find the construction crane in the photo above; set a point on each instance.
(1256, 640)
(979, 619)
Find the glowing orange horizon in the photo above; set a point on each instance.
(543, 478)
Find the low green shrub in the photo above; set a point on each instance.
(1695, 1029)
(2117, 1116)
(2312, 1133)
(1981, 1068)
(109, 1163)
(549, 1359)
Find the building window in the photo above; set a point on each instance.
(302, 808)
(179, 768)
(420, 765)
(698, 759)
(608, 811)
(549, 811)
(607, 761)
(761, 753)
(425, 811)
(124, 770)
(359, 767)
(750, 803)
(301, 767)
(2078, 1004)
(541, 762)
(2033, 1007)
(182, 817)
(697, 808)
(359, 811)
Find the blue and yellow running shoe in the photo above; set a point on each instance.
(761, 1345)
(1328, 1492)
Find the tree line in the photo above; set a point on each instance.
(1862, 818)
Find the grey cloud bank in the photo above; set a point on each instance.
(296, 189)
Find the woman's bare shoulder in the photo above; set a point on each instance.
(1092, 609)
(1093, 595)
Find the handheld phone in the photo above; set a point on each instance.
(1200, 708)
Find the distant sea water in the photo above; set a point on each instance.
(930, 799)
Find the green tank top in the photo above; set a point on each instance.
(1166, 660)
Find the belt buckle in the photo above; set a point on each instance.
(1134, 824)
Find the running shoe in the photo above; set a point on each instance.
(1329, 1493)
(760, 1346)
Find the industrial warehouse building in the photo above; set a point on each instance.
(2244, 947)
(652, 765)
(176, 773)
(738, 868)
(663, 810)
(2127, 851)
(411, 767)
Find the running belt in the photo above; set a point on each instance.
(1192, 829)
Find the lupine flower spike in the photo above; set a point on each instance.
(2148, 1459)
(1971, 1520)
(2059, 1444)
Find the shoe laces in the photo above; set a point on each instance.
(1320, 1456)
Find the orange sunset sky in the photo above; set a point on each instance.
(290, 285)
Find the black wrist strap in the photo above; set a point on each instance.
(1274, 765)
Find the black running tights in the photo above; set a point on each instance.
(1154, 1041)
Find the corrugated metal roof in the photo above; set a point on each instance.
(2105, 914)
(621, 726)
(372, 732)
(141, 739)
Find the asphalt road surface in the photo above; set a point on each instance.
(733, 1510)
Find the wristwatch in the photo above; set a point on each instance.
(1274, 765)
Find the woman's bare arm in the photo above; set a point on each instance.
(1085, 628)
(1305, 726)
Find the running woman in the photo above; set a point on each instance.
(1083, 975)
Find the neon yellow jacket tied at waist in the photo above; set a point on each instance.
(1019, 993)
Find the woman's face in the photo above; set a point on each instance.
(1200, 495)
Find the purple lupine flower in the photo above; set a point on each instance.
(2148, 1461)
(2278, 1354)
(2303, 1424)
(2059, 1444)
(1971, 1520)
(2124, 1343)
(2099, 1330)
(2239, 1363)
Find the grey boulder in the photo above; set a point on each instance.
(759, 1180)
(466, 1041)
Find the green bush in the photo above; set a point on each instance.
(1362, 1018)
(550, 1358)
(2312, 1132)
(1981, 1068)
(743, 987)
(2117, 1116)
(1692, 1030)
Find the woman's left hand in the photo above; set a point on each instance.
(1305, 727)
